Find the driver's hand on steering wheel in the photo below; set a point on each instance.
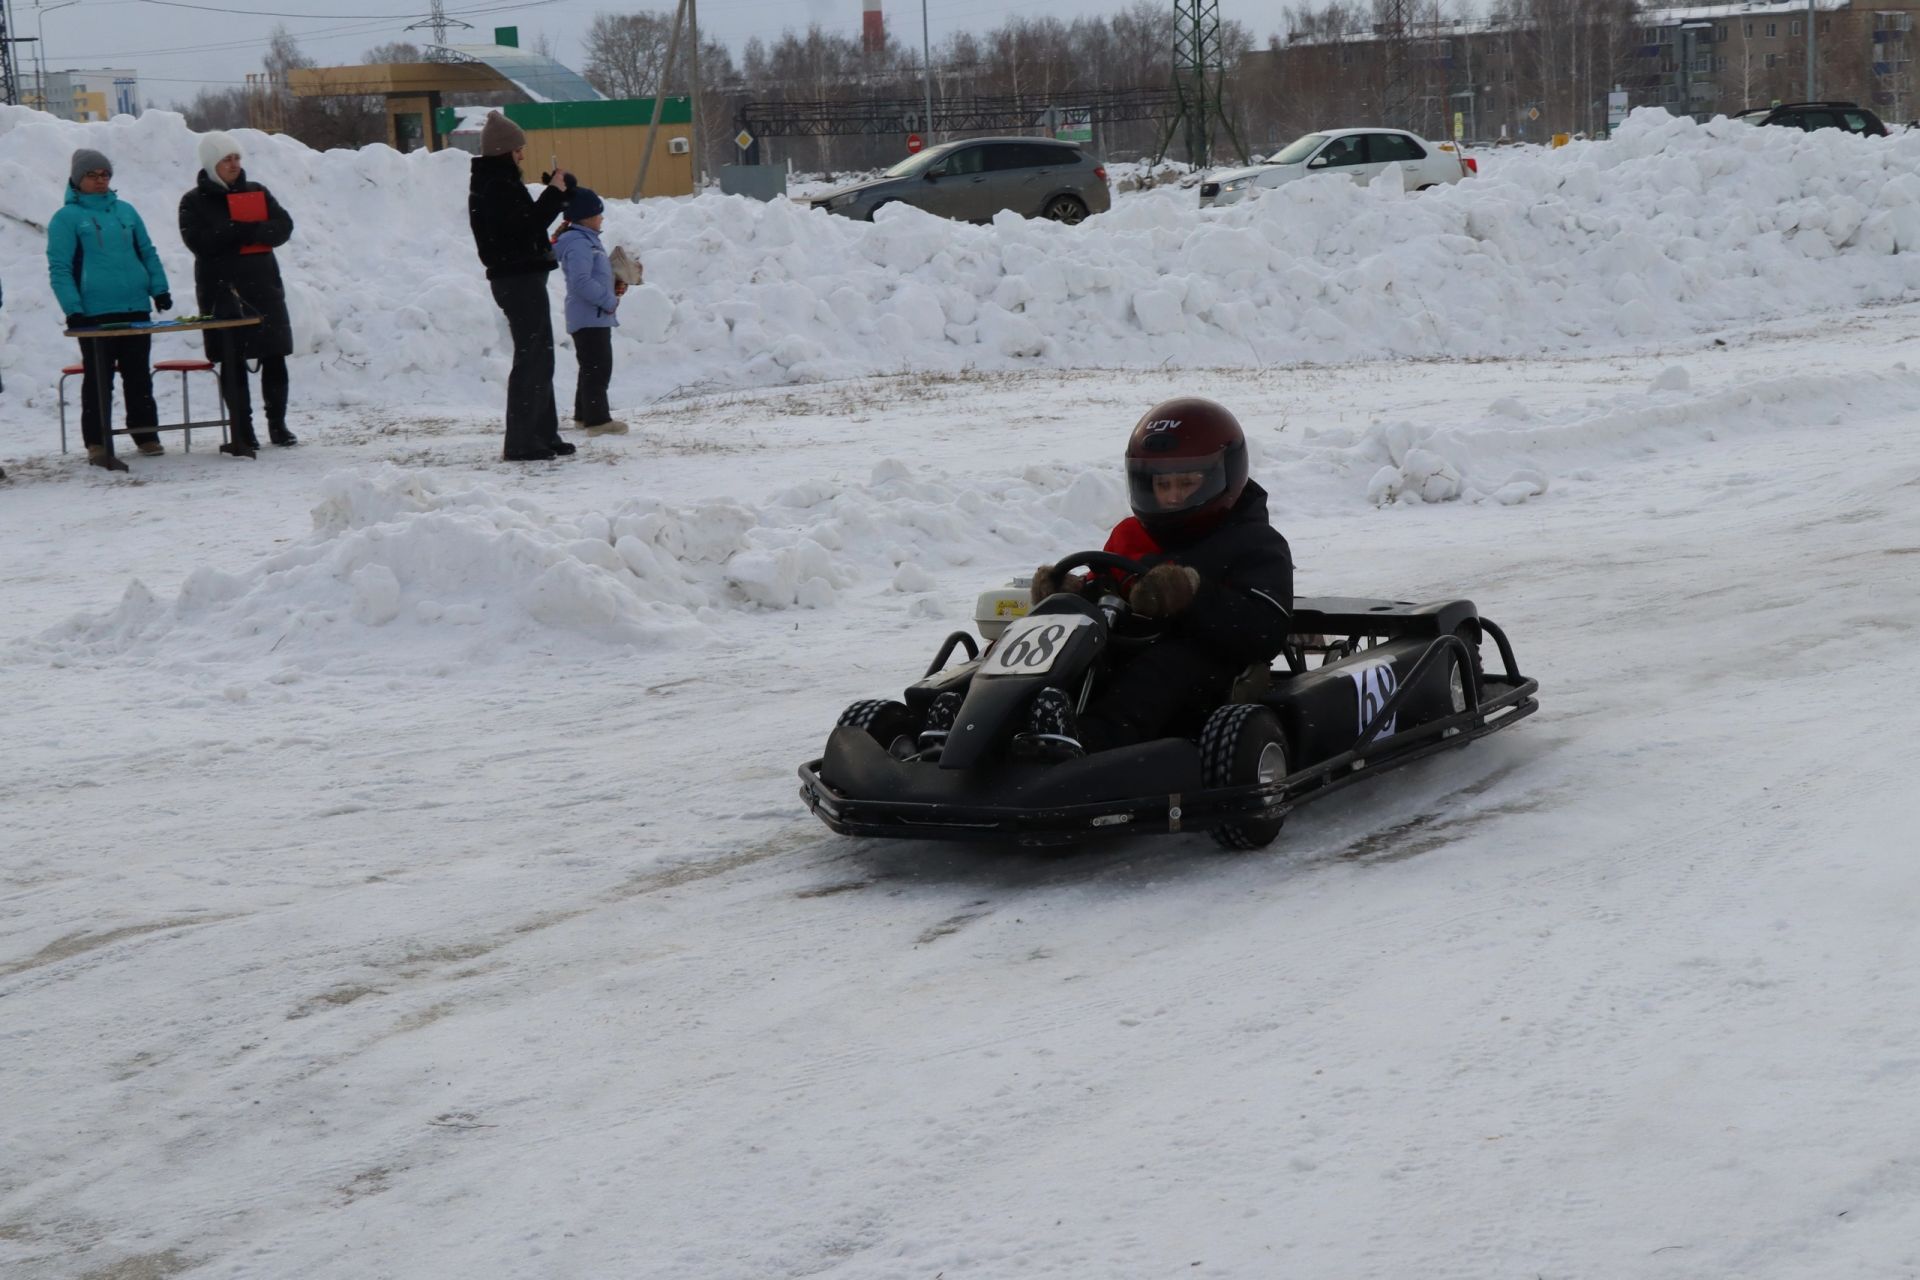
(1046, 583)
(1164, 590)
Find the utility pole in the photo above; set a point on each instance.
(1810, 43)
(926, 68)
(659, 99)
(693, 90)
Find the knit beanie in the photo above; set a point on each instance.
(500, 136)
(85, 161)
(215, 147)
(583, 203)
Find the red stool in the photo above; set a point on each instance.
(186, 423)
(71, 371)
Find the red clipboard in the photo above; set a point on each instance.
(249, 206)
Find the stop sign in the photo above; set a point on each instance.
(913, 143)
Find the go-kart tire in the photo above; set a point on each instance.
(1243, 744)
(891, 724)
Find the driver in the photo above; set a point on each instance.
(1219, 580)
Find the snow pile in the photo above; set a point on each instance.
(1509, 452)
(1668, 229)
(406, 568)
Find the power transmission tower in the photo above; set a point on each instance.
(437, 22)
(9, 82)
(1396, 97)
(1199, 76)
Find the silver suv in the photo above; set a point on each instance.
(977, 178)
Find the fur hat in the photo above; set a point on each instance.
(85, 161)
(583, 203)
(500, 136)
(215, 147)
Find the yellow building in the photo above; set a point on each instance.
(599, 142)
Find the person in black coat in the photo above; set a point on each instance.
(1219, 581)
(233, 226)
(510, 234)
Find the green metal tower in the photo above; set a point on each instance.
(1199, 75)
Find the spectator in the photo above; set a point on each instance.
(233, 225)
(593, 297)
(510, 234)
(103, 268)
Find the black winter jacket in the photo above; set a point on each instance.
(1245, 598)
(228, 283)
(510, 226)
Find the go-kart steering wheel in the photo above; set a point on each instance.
(1095, 560)
(1129, 628)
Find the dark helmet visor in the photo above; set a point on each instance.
(1161, 486)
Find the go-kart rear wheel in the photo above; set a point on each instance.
(1243, 745)
(891, 724)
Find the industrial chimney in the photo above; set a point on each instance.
(873, 31)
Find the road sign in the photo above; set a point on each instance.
(1533, 113)
(1459, 125)
(913, 143)
(743, 139)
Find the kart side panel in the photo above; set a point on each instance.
(1324, 710)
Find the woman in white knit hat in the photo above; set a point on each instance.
(233, 225)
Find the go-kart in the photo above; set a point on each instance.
(1394, 682)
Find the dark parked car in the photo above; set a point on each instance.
(977, 178)
(1850, 116)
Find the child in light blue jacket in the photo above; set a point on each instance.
(593, 296)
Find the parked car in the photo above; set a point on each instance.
(1358, 153)
(976, 178)
(1850, 116)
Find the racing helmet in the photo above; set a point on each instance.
(1186, 467)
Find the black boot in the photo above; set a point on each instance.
(238, 448)
(99, 457)
(944, 710)
(1053, 732)
(278, 433)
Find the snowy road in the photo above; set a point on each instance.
(389, 949)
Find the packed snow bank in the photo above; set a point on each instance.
(405, 570)
(1667, 230)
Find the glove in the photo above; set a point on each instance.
(1045, 583)
(1164, 590)
(164, 301)
(76, 321)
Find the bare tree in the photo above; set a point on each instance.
(625, 52)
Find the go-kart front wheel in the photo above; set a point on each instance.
(891, 724)
(1243, 745)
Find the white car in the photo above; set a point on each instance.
(1359, 153)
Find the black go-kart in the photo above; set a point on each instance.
(1394, 682)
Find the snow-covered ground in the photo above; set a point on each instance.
(403, 874)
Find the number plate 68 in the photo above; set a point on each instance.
(1030, 645)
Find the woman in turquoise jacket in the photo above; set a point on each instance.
(104, 268)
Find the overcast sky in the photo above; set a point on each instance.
(179, 45)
